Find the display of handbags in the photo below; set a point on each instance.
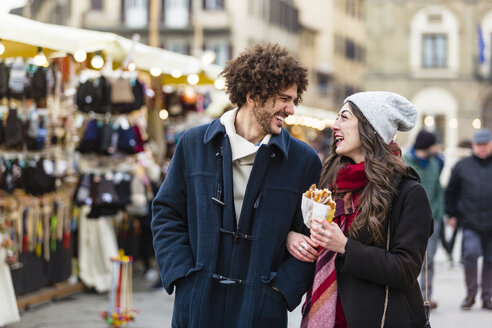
(107, 138)
(13, 130)
(33, 176)
(20, 80)
(32, 131)
(109, 193)
(101, 95)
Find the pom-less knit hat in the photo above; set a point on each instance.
(387, 112)
(425, 139)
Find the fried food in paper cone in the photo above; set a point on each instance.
(317, 203)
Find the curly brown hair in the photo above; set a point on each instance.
(382, 162)
(263, 71)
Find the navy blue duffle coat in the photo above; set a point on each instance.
(224, 273)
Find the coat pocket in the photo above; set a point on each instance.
(273, 309)
(185, 288)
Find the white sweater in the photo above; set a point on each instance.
(243, 156)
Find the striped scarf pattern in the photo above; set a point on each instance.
(320, 307)
(319, 310)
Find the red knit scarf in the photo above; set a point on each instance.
(351, 177)
(323, 307)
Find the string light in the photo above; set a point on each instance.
(80, 56)
(208, 57)
(176, 73)
(193, 79)
(97, 61)
(219, 84)
(477, 124)
(310, 122)
(155, 71)
(131, 66)
(429, 121)
(163, 114)
(40, 58)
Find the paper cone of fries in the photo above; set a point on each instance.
(317, 203)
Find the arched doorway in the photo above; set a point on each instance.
(441, 105)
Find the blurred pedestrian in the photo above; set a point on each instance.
(231, 195)
(469, 205)
(423, 158)
(378, 237)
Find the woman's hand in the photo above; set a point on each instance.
(302, 247)
(328, 235)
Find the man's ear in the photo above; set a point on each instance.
(250, 100)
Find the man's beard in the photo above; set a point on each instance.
(264, 118)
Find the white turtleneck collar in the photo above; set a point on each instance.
(240, 147)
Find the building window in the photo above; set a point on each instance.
(434, 51)
(177, 13)
(323, 83)
(284, 14)
(434, 43)
(213, 4)
(178, 46)
(221, 50)
(350, 49)
(136, 13)
(352, 8)
(96, 4)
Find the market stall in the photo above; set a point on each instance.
(74, 108)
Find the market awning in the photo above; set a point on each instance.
(22, 37)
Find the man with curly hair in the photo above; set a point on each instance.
(231, 196)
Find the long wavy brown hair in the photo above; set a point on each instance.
(382, 162)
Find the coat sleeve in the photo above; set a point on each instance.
(400, 266)
(169, 223)
(453, 193)
(294, 277)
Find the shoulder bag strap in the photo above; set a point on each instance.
(426, 301)
(387, 287)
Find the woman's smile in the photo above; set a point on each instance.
(347, 138)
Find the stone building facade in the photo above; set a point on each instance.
(436, 53)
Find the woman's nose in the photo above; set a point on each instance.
(335, 125)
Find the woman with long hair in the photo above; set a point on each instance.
(369, 257)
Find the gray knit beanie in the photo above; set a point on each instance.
(387, 112)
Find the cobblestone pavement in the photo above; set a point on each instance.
(82, 310)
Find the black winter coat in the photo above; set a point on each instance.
(468, 193)
(366, 268)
